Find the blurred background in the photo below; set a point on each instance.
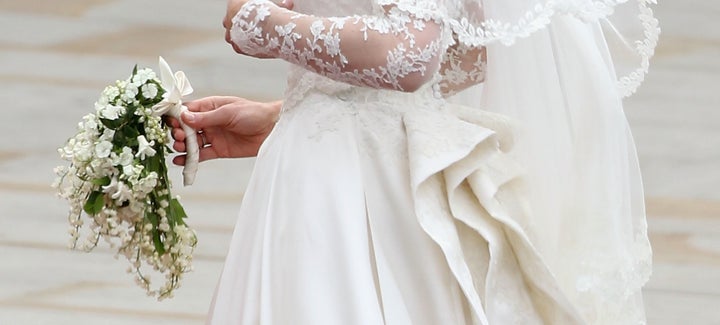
(56, 57)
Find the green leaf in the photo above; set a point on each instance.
(159, 247)
(105, 181)
(153, 163)
(126, 135)
(157, 240)
(111, 124)
(130, 111)
(161, 90)
(177, 212)
(94, 203)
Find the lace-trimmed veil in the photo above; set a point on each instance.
(560, 69)
(629, 26)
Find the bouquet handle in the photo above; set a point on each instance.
(176, 86)
(192, 159)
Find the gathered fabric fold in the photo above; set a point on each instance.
(468, 199)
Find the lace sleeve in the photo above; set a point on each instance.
(399, 49)
(462, 66)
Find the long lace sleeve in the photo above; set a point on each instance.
(399, 49)
(462, 66)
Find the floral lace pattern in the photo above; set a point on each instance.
(629, 83)
(414, 34)
(334, 47)
(476, 30)
(462, 67)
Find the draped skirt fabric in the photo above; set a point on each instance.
(370, 212)
(327, 233)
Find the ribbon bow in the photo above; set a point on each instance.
(176, 86)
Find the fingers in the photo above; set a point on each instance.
(179, 144)
(287, 4)
(210, 103)
(227, 23)
(171, 121)
(177, 133)
(228, 38)
(205, 154)
(179, 160)
(206, 104)
(222, 117)
(232, 9)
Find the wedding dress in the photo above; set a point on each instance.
(390, 193)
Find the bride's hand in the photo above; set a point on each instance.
(232, 9)
(230, 127)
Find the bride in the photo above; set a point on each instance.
(435, 162)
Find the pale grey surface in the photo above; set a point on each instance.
(56, 59)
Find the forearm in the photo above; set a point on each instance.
(391, 51)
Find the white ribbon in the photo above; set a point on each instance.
(176, 86)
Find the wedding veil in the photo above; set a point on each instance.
(559, 69)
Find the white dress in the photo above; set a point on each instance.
(373, 205)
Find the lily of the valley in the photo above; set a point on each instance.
(176, 86)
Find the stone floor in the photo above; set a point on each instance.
(57, 55)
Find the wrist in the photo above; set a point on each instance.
(250, 25)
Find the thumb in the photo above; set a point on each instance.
(201, 120)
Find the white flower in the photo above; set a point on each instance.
(147, 184)
(128, 170)
(142, 76)
(112, 112)
(110, 93)
(149, 91)
(89, 123)
(118, 191)
(124, 158)
(82, 151)
(112, 187)
(145, 148)
(101, 104)
(101, 165)
(131, 90)
(103, 149)
(121, 84)
(123, 193)
(107, 135)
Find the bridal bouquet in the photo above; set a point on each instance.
(117, 183)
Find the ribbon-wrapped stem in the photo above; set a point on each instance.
(177, 86)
